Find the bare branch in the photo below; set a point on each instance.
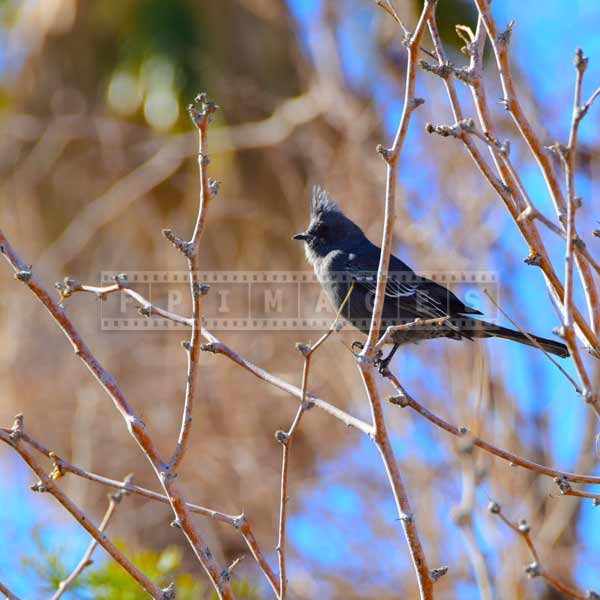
(67, 467)
(365, 359)
(535, 569)
(519, 204)
(7, 593)
(404, 399)
(201, 117)
(113, 500)
(47, 484)
(134, 424)
(240, 522)
(217, 347)
(391, 157)
(500, 42)
(567, 490)
(286, 438)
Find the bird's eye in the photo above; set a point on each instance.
(320, 230)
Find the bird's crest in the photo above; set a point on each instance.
(322, 202)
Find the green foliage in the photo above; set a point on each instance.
(109, 581)
(46, 565)
(154, 31)
(450, 13)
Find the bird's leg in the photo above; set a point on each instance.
(360, 346)
(384, 363)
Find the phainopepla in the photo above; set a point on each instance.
(342, 256)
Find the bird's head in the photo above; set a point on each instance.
(329, 229)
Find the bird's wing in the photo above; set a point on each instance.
(402, 287)
(418, 295)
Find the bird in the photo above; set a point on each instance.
(346, 262)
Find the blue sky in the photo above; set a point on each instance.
(546, 35)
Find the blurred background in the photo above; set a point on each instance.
(97, 155)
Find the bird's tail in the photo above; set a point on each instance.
(484, 330)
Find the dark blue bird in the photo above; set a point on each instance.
(342, 256)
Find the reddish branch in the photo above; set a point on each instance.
(404, 399)
(391, 157)
(286, 438)
(240, 522)
(365, 360)
(7, 593)
(70, 286)
(134, 424)
(47, 484)
(535, 569)
(499, 42)
(567, 490)
(220, 348)
(201, 118)
(86, 560)
(510, 187)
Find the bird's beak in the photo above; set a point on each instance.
(302, 236)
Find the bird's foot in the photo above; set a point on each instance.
(382, 364)
(359, 345)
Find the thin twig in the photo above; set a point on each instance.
(392, 329)
(7, 593)
(567, 490)
(509, 182)
(86, 560)
(201, 118)
(404, 399)
(568, 156)
(239, 522)
(286, 438)
(390, 9)
(517, 205)
(259, 557)
(534, 342)
(135, 425)
(365, 359)
(70, 286)
(391, 157)
(217, 347)
(47, 484)
(535, 569)
(350, 421)
(66, 467)
(500, 42)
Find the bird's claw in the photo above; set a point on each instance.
(359, 345)
(379, 362)
(382, 365)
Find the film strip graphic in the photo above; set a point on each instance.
(266, 300)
